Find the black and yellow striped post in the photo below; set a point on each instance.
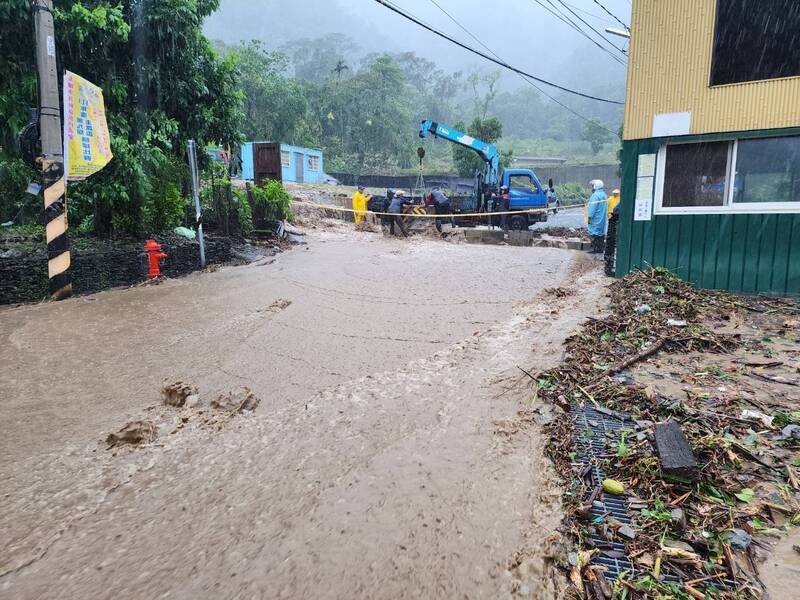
(52, 159)
(55, 211)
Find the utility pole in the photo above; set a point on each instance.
(52, 159)
(191, 150)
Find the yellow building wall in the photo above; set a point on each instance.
(669, 72)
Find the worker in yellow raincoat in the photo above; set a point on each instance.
(613, 200)
(359, 205)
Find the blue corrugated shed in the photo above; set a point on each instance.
(301, 165)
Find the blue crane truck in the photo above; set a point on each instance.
(517, 190)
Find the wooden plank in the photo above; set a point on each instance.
(677, 459)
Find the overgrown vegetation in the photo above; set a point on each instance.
(164, 82)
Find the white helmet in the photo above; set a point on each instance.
(597, 184)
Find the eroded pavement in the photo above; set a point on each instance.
(395, 451)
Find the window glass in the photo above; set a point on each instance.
(768, 170)
(285, 158)
(695, 175)
(313, 163)
(522, 183)
(756, 40)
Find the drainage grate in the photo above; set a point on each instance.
(594, 430)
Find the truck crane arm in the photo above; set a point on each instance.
(488, 153)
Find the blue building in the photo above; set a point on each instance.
(264, 160)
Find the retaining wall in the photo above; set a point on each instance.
(104, 265)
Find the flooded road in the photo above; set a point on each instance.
(394, 453)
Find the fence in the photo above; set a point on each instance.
(560, 175)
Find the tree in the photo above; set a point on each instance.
(482, 99)
(275, 106)
(467, 161)
(315, 60)
(162, 83)
(596, 134)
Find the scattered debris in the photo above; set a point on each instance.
(559, 292)
(677, 322)
(615, 488)
(676, 456)
(279, 305)
(134, 433)
(177, 393)
(714, 399)
(236, 402)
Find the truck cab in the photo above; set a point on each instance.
(525, 192)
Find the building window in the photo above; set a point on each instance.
(695, 175)
(313, 163)
(286, 159)
(767, 170)
(755, 40)
(748, 175)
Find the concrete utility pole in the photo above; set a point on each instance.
(52, 159)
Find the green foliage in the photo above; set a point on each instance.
(275, 106)
(596, 134)
(14, 178)
(468, 161)
(275, 200)
(163, 84)
(243, 211)
(572, 193)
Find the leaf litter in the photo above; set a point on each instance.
(724, 367)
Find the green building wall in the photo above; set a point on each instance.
(750, 253)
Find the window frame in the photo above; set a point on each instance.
(711, 83)
(288, 156)
(729, 207)
(313, 157)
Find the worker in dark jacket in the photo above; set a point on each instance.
(396, 208)
(441, 203)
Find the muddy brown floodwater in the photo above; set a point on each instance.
(387, 457)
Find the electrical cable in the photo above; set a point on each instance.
(525, 79)
(556, 12)
(617, 19)
(501, 63)
(582, 20)
(591, 14)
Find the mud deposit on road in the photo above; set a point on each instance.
(394, 453)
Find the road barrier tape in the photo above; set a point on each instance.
(534, 211)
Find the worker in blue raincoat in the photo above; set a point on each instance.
(598, 216)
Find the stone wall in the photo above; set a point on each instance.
(99, 265)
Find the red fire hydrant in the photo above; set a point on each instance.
(153, 248)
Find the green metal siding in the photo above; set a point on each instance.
(737, 252)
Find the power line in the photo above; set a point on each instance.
(553, 10)
(591, 14)
(617, 19)
(582, 20)
(525, 79)
(501, 63)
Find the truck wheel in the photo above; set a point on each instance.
(519, 223)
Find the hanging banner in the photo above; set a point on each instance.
(87, 144)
